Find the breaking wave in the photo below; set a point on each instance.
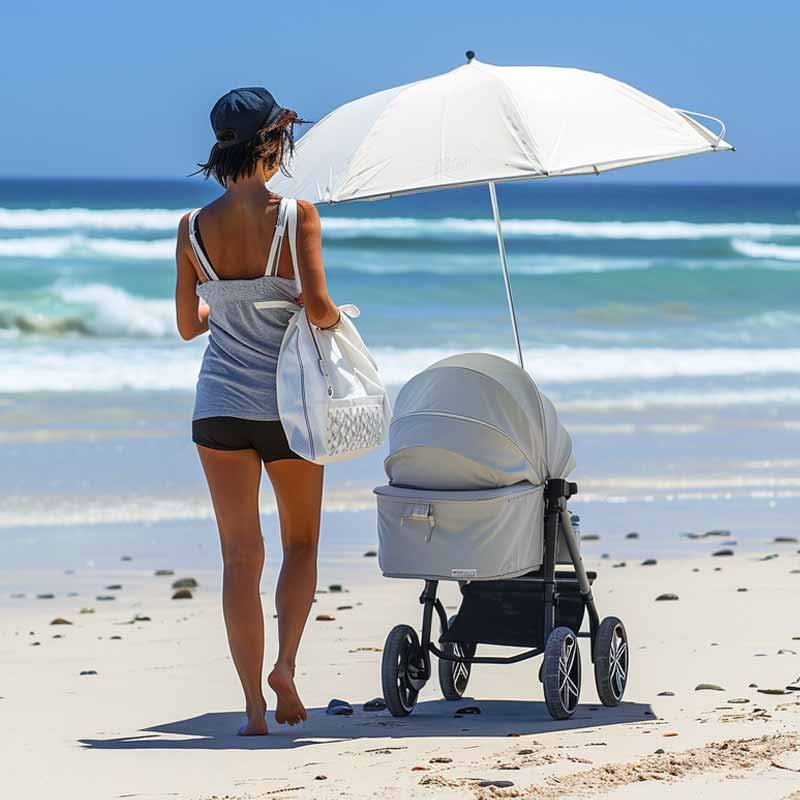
(163, 219)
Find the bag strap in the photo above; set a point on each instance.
(274, 256)
(198, 249)
(292, 224)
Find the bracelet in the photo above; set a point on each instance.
(335, 324)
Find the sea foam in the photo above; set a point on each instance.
(163, 219)
(118, 364)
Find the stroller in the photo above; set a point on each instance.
(477, 493)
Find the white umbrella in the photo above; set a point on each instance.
(481, 123)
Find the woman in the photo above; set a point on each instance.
(229, 256)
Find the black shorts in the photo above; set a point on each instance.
(232, 433)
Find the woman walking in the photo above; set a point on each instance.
(230, 257)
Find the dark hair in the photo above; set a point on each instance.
(273, 144)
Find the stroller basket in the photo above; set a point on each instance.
(501, 612)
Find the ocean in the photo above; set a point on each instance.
(663, 321)
(626, 294)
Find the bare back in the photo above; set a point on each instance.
(237, 235)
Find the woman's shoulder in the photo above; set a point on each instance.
(308, 217)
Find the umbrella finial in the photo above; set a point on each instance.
(470, 54)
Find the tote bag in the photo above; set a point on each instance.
(331, 400)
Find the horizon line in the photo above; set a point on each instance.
(574, 179)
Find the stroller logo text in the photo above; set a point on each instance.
(463, 573)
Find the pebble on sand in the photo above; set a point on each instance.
(185, 583)
(45, 596)
(105, 597)
(114, 587)
(720, 532)
(785, 540)
(141, 618)
(620, 564)
(60, 621)
(738, 700)
(726, 551)
(666, 694)
(344, 608)
(590, 537)
(182, 594)
(126, 558)
(370, 554)
(772, 691)
(495, 784)
(115, 637)
(632, 535)
(441, 760)
(88, 672)
(86, 611)
(708, 687)
(162, 572)
(649, 562)
(742, 589)
(335, 587)
(325, 618)
(667, 596)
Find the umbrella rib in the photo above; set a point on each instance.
(531, 147)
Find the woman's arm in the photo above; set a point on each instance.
(320, 309)
(191, 314)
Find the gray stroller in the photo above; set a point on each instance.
(477, 466)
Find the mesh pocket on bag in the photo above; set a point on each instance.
(354, 425)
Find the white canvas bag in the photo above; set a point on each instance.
(331, 400)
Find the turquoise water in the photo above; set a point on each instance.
(663, 321)
(627, 295)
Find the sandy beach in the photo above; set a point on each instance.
(136, 696)
(123, 498)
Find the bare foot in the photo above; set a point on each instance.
(290, 708)
(256, 725)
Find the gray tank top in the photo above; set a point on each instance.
(246, 326)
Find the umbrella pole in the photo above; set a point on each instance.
(501, 246)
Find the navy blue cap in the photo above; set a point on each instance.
(241, 113)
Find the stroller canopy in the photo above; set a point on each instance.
(475, 421)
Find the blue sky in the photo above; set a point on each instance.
(124, 88)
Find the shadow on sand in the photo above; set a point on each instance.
(431, 718)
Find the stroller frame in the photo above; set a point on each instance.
(407, 660)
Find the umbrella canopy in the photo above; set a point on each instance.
(480, 123)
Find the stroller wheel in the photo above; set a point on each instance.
(611, 661)
(454, 675)
(401, 669)
(562, 673)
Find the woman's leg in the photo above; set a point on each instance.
(234, 477)
(298, 491)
